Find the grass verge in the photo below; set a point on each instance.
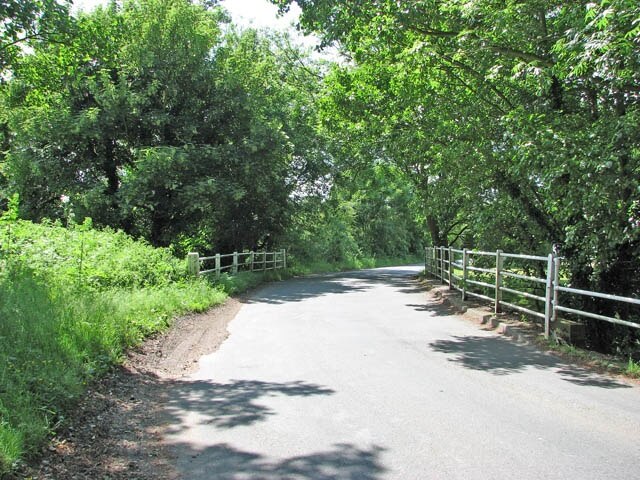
(598, 361)
(53, 341)
(72, 300)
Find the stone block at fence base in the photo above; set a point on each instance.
(572, 332)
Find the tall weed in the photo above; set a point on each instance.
(89, 258)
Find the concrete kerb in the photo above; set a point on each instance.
(503, 323)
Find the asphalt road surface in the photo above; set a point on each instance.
(360, 376)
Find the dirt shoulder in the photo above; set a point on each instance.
(116, 429)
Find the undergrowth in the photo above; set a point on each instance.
(633, 369)
(72, 300)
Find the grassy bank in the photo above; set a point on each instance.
(72, 300)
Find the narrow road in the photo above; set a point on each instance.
(361, 376)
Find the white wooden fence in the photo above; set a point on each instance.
(453, 267)
(239, 261)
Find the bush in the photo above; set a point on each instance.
(80, 255)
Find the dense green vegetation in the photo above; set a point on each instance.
(160, 119)
(138, 132)
(71, 301)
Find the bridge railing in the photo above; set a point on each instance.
(232, 263)
(493, 275)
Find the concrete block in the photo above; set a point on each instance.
(572, 332)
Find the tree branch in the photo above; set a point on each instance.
(434, 33)
(452, 226)
(529, 57)
(459, 234)
(479, 76)
(20, 40)
(502, 50)
(38, 35)
(450, 71)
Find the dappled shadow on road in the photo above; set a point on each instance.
(435, 308)
(298, 290)
(235, 404)
(302, 289)
(500, 356)
(224, 462)
(492, 354)
(586, 378)
(229, 405)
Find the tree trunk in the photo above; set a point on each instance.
(434, 231)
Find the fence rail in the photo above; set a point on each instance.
(241, 261)
(441, 262)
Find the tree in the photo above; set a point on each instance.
(153, 121)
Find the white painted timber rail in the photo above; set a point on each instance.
(476, 274)
(232, 263)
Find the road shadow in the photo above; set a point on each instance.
(229, 405)
(236, 404)
(300, 289)
(586, 378)
(224, 462)
(119, 432)
(499, 356)
(435, 308)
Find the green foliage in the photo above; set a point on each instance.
(245, 281)
(369, 213)
(320, 266)
(84, 257)
(71, 301)
(633, 369)
(104, 120)
(25, 22)
(100, 126)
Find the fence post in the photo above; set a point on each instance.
(465, 261)
(284, 258)
(234, 268)
(450, 255)
(425, 261)
(432, 261)
(251, 259)
(434, 265)
(556, 291)
(498, 307)
(217, 265)
(442, 264)
(193, 263)
(264, 261)
(547, 298)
